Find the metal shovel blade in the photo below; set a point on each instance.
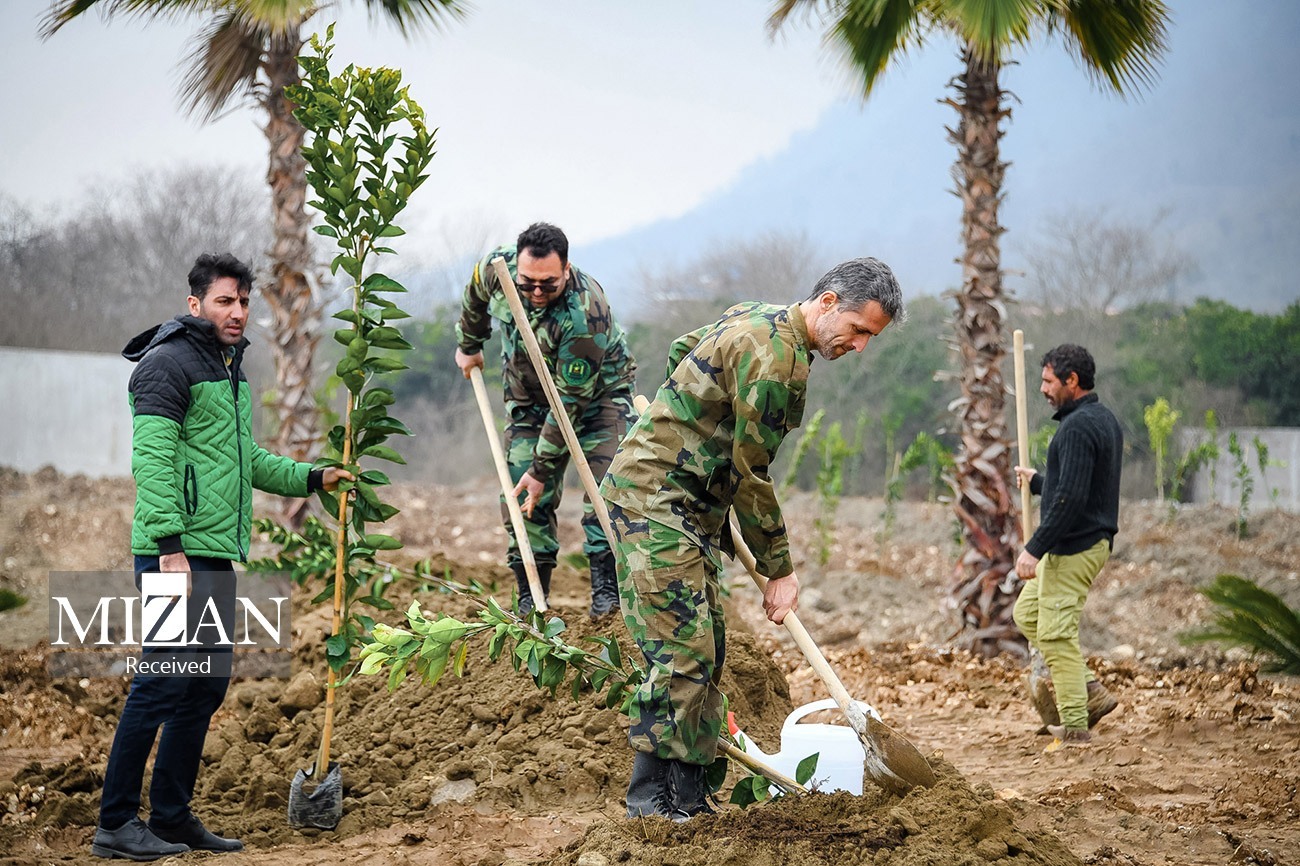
(892, 761)
(323, 807)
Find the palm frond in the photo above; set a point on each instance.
(410, 16)
(784, 9)
(64, 11)
(870, 33)
(1119, 42)
(223, 63)
(989, 27)
(1254, 618)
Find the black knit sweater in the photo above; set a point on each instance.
(1080, 489)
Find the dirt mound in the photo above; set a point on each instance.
(950, 824)
(490, 737)
(1199, 765)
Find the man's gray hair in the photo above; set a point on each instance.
(859, 281)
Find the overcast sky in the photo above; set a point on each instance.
(599, 116)
(606, 117)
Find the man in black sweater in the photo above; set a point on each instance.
(1080, 516)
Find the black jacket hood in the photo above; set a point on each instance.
(203, 331)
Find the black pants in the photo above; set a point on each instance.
(182, 706)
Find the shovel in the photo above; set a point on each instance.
(1040, 694)
(507, 489)
(892, 762)
(552, 394)
(323, 807)
(1022, 429)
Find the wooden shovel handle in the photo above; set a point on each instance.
(507, 489)
(552, 393)
(1022, 428)
(857, 719)
(754, 765)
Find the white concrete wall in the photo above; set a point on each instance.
(68, 410)
(1282, 475)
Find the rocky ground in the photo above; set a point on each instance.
(1200, 765)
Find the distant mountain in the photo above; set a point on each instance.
(1215, 143)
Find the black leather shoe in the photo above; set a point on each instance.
(195, 835)
(133, 841)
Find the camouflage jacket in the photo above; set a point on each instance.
(584, 347)
(735, 389)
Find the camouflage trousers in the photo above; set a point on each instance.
(599, 431)
(672, 605)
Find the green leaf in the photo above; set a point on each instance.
(327, 231)
(806, 768)
(437, 665)
(397, 674)
(336, 644)
(384, 365)
(554, 626)
(392, 232)
(462, 656)
(743, 794)
(553, 671)
(382, 542)
(375, 477)
(377, 602)
(716, 773)
(373, 663)
(381, 283)
(382, 452)
(497, 642)
(328, 501)
(376, 397)
(346, 366)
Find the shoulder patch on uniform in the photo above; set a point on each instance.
(577, 371)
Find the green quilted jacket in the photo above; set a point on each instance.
(192, 451)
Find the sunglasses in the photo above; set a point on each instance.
(546, 287)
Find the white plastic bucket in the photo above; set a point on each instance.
(840, 755)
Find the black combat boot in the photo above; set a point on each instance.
(604, 585)
(526, 604)
(648, 792)
(690, 792)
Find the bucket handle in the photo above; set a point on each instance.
(825, 704)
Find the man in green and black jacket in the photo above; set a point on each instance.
(195, 465)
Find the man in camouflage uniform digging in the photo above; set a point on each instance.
(735, 390)
(586, 352)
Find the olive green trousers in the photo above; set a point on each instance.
(1048, 613)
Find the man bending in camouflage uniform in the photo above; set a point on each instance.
(586, 352)
(735, 389)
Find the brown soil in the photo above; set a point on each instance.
(1200, 765)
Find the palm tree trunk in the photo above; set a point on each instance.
(295, 312)
(986, 587)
